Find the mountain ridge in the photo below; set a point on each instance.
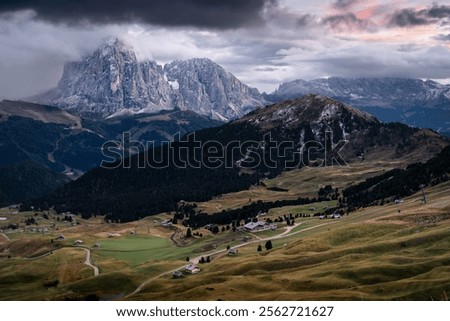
(63, 142)
(415, 102)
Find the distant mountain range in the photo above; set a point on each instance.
(129, 193)
(112, 82)
(412, 101)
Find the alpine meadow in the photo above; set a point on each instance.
(252, 150)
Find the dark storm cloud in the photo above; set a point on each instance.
(305, 20)
(408, 17)
(411, 17)
(439, 12)
(345, 21)
(218, 14)
(442, 37)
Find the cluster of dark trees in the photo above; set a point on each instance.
(399, 183)
(247, 212)
(204, 260)
(329, 191)
(10, 226)
(268, 246)
(30, 221)
(187, 215)
(26, 180)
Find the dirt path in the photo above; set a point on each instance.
(88, 262)
(50, 155)
(254, 235)
(220, 253)
(5, 236)
(40, 256)
(145, 283)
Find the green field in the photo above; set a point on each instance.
(139, 249)
(302, 209)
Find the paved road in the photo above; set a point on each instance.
(219, 253)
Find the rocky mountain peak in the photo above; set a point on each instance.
(112, 82)
(210, 90)
(113, 47)
(310, 109)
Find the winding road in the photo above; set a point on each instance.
(219, 253)
(88, 262)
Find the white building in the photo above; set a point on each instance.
(259, 226)
(192, 269)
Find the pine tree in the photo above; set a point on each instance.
(268, 245)
(189, 232)
(259, 248)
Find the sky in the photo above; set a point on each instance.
(263, 42)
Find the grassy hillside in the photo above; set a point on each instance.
(303, 182)
(374, 254)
